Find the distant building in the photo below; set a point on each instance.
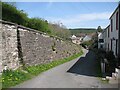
(87, 38)
(100, 41)
(76, 40)
(73, 37)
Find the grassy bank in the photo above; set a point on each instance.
(12, 78)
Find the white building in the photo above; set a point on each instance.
(111, 34)
(114, 31)
(107, 38)
(87, 38)
(76, 40)
(100, 41)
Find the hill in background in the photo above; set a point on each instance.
(82, 31)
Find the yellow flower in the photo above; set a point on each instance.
(11, 75)
(2, 78)
(16, 78)
(9, 79)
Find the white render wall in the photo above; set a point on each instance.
(114, 33)
(100, 36)
(107, 39)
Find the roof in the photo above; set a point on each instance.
(107, 26)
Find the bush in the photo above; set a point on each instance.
(88, 44)
(38, 24)
(109, 55)
(111, 60)
(12, 14)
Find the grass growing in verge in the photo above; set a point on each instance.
(12, 78)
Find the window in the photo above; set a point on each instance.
(101, 41)
(108, 46)
(117, 21)
(108, 31)
(111, 24)
(111, 44)
(116, 47)
(101, 46)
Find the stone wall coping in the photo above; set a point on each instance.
(20, 26)
(26, 28)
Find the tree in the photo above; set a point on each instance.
(99, 29)
(59, 30)
(10, 13)
(38, 24)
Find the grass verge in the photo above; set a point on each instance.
(12, 78)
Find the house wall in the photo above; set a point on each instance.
(107, 38)
(119, 34)
(114, 33)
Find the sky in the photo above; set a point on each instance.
(71, 14)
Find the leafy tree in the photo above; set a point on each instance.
(10, 13)
(38, 24)
(59, 30)
(99, 29)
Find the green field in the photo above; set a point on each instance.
(77, 31)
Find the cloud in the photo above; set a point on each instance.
(81, 18)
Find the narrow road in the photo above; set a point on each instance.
(78, 73)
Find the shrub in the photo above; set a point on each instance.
(88, 44)
(111, 60)
(12, 14)
(38, 24)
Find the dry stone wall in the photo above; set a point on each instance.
(31, 47)
(9, 46)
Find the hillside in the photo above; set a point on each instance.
(12, 14)
(78, 31)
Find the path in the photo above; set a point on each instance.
(78, 73)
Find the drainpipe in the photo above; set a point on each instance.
(119, 36)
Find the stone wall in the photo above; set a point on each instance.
(9, 46)
(21, 44)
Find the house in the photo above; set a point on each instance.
(114, 43)
(75, 39)
(107, 38)
(87, 38)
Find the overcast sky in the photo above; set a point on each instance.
(71, 14)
